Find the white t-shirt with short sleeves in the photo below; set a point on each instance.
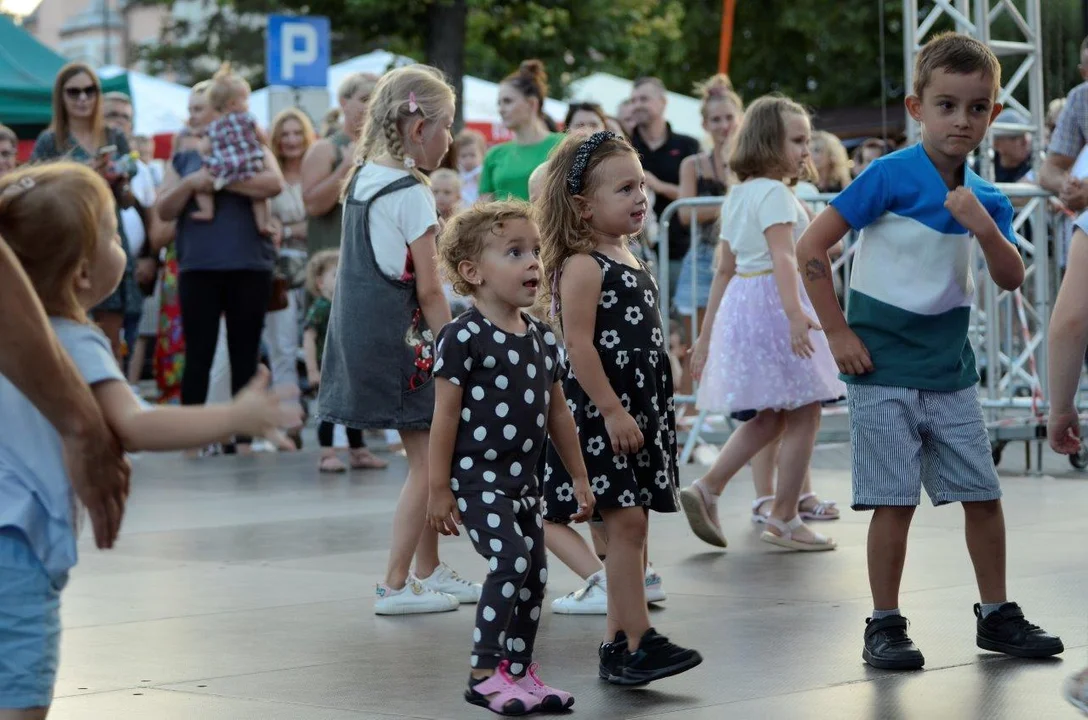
(749, 209)
(396, 220)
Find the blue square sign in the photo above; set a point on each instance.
(297, 51)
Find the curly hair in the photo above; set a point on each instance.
(317, 266)
(465, 235)
(563, 231)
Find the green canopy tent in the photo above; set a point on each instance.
(27, 71)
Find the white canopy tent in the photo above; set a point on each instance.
(609, 91)
(159, 107)
(481, 98)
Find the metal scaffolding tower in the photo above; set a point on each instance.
(1010, 328)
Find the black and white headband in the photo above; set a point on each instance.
(581, 159)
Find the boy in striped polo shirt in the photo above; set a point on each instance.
(915, 419)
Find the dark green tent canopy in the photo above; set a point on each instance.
(27, 71)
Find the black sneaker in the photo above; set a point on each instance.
(656, 658)
(1006, 631)
(611, 657)
(888, 647)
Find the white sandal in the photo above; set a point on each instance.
(786, 540)
(759, 518)
(824, 509)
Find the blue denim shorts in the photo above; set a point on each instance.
(700, 263)
(29, 625)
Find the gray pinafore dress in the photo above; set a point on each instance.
(379, 354)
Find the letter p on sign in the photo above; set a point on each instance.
(297, 51)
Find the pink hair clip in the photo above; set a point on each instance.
(412, 105)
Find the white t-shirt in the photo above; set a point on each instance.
(396, 220)
(142, 186)
(750, 208)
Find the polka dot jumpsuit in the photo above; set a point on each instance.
(506, 382)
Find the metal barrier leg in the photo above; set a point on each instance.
(693, 437)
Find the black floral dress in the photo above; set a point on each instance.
(631, 343)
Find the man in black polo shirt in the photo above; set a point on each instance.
(661, 151)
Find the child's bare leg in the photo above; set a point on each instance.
(741, 447)
(886, 549)
(985, 530)
(205, 206)
(571, 548)
(136, 360)
(793, 462)
(626, 579)
(262, 213)
(427, 551)
(409, 518)
(600, 539)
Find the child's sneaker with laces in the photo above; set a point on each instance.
(445, 579)
(655, 593)
(412, 599)
(590, 600)
(1007, 631)
(501, 693)
(551, 699)
(656, 658)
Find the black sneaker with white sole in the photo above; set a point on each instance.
(1007, 631)
(656, 658)
(888, 647)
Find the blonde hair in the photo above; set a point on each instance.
(958, 54)
(536, 180)
(465, 234)
(468, 138)
(277, 130)
(759, 145)
(446, 174)
(225, 85)
(352, 84)
(388, 112)
(317, 266)
(840, 160)
(51, 215)
(717, 88)
(563, 231)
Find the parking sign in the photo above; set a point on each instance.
(297, 51)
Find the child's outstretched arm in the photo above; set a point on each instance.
(442, 512)
(724, 271)
(826, 230)
(580, 288)
(564, 435)
(1068, 339)
(256, 411)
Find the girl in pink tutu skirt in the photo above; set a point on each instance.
(760, 351)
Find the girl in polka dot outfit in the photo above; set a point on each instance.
(619, 386)
(497, 394)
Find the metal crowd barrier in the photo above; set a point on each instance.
(1009, 329)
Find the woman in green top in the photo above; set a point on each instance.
(508, 166)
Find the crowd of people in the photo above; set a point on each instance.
(549, 399)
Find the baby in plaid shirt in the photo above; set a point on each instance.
(233, 148)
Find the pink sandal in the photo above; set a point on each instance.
(701, 508)
(509, 697)
(551, 699)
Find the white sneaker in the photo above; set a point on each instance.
(1076, 691)
(412, 599)
(590, 600)
(654, 591)
(445, 579)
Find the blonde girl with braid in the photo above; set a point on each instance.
(387, 306)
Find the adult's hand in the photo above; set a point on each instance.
(100, 475)
(200, 181)
(1074, 194)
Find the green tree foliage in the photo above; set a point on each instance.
(825, 54)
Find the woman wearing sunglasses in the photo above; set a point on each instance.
(78, 132)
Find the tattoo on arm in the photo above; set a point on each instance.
(815, 270)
